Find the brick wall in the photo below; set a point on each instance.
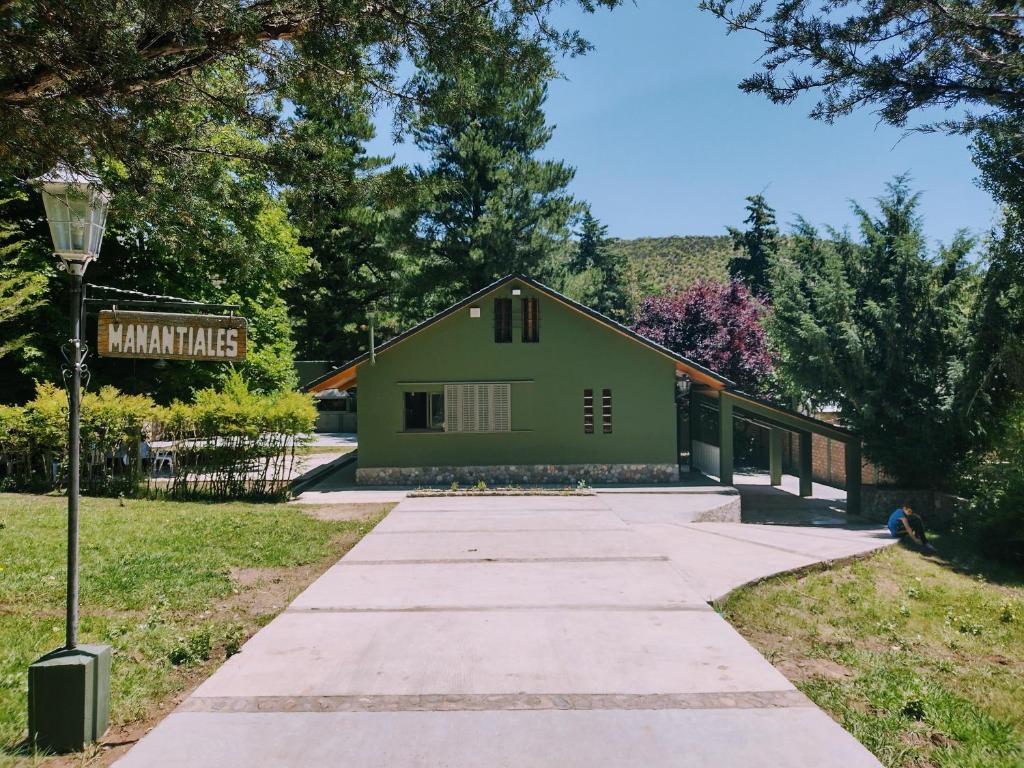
(828, 462)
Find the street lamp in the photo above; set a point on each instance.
(683, 386)
(76, 210)
(69, 688)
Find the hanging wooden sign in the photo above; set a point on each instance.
(161, 335)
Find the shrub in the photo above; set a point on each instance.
(34, 441)
(996, 509)
(112, 426)
(231, 443)
(234, 636)
(14, 447)
(193, 649)
(234, 443)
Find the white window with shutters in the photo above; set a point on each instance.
(477, 408)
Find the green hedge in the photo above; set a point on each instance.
(34, 441)
(231, 443)
(995, 514)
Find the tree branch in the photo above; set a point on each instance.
(45, 81)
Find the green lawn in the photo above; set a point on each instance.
(173, 587)
(922, 659)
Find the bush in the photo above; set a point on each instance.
(112, 426)
(234, 443)
(996, 509)
(225, 444)
(34, 441)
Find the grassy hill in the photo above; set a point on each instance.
(665, 265)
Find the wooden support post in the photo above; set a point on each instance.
(694, 426)
(682, 438)
(806, 465)
(775, 455)
(724, 440)
(853, 470)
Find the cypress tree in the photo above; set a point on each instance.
(756, 247)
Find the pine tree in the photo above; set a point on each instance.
(994, 364)
(342, 201)
(756, 246)
(26, 270)
(84, 78)
(490, 206)
(593, 237)
(595, 272)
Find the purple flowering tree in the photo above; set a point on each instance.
(717, 325)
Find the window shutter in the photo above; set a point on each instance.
(478, 407)
(469, 420)
(503, 320)
(483, 408)
(500, 399)
(452, 408)
(531, 320)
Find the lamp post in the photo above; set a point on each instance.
(684, 419)
(69, 688)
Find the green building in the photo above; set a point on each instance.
(520, 384)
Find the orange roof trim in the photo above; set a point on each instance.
(345, 376)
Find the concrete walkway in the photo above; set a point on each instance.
(521, 631)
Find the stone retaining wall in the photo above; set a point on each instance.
(520, 474)
(938, 509)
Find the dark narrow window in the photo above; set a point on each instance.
(436, 410)
(531, 321)
(503, 321)
(424, 411)
(606, 411)
(415, 410)
(588, 411)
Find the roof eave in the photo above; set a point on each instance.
(705, 375)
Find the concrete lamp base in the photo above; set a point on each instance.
(69, 698)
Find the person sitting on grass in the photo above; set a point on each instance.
(903, 523)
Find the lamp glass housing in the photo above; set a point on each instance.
(683, 386)
(76, 211)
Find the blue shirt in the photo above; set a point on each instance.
(896, 522)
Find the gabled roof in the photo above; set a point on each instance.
(345, 374)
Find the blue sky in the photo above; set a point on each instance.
(664, 143)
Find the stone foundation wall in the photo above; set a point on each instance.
(520, 474)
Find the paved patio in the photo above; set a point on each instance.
(521, 631)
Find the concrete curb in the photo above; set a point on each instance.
(800, 570)
(730, 512)
(427, 493)
(300, 483)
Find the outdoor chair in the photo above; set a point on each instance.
(163, 456)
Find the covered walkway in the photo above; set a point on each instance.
(713, 414)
